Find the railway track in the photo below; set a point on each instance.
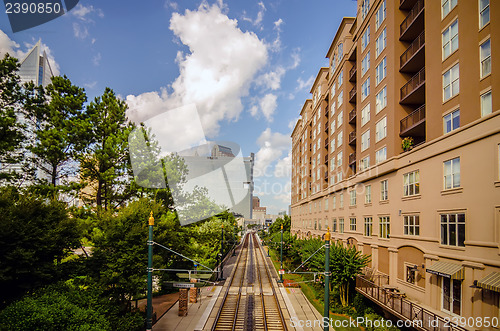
(250, 301)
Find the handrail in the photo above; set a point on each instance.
(352, 114)
(412, 49)
(352, 158)
(411, 16)
(413, 83)
(352, 136)
(352, 71)
(352, 92)
(415, 116)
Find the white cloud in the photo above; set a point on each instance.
(295, 58)
(272, 79)
(80, 31)
(283, 167)
(291, 124)
(268, 105)
(171, 4)
(9, 46)
(97, 59)
(215, 74)
(84, 15)
(272, 145)
(304, 84)
(90, 85)
(260, 16)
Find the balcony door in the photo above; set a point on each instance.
(451, 295)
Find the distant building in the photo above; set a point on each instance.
(36, 67)
(221, 151)
(259, 213)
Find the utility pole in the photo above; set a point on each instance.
(221, 253)
(281, 256)
(326, 314)
(149, 305)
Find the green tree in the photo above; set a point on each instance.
(276, 225)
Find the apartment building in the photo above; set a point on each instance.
(422, 73)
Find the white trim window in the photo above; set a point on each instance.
(364, 163)
(450, 39)
(365, 140)
(341, 225)
(447, 6)
(485, 58)
(339, 159)
(340, 51)
(451, 173)
(365, 88)
(333, 90)
(365, 114)
(352, 197)
(368, 194)
(451, 83)
(340, 79)
(340, 119)
(384, 190)
(381, 71)
(411, 225)
(368, 226)
(332, 126)
(365, 8)
(484, 12)
(451, 121)
(380, 15)
(365, 63)
(381, 155)
(381, 42)
(453, 229)
(352, 224)
(340, 138)
(340, 99)
(384, 226)
(381, 100)
(365, 38)
(334, 225)
(486, 105)
(411, 183)
(381, 129)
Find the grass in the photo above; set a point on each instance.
(310, 292)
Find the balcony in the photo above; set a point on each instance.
(326, 127)
(413, 92)
(413, 59)
(403, 308)
(352, 159)
(413, 24)
(326, 143)
(352, 73)
(352, 138)
(352, 117)
(406, 4)
(352, 94)
(326, 158)
(413, 124)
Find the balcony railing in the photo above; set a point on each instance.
(326, 143)
(352, 137)
(326, 158)
(414, 12)
(352, 73)
(412, 49)
(413, 84)
(352, 94)
(416, 117)
(352, 116)
(326, 127)
(352, 158)
(403, 308)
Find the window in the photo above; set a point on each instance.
(381, 100)
(380, 15)
(339, 178)
(352, 223)
(447, 6)
(332, 126)
(411, 274)
(334, 202)
(486, 107)
(381, 155)
(340, 119)
(340, 99)
(368, 194)
(381, 42)
(411, 225)
(332, 145)
(365, 140)
(450, 39)
(365, 8)
(451, 82)
(452, 173)
(365, 89)
(365, 115)
(326, 204)
(452, 294)
(384, 190)
(381, 71)
(384, 227)
(364, 163)
(340, 51)
(484, 12)
(365, 38)
(485, 53)
(334, 225)
(352, 200)
(453, 229)
(451, 121)
(341, 225)
(340, 78)
(368, 226)
(341, 201)
(365, 63)
(339, 159)
(381, 129)
(411, 183)
(340, 138)
(333, 90)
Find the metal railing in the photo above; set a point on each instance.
(352, 72)
(415, 116)
(396, 303)
(411, 16)
(352, 136)
(412, 49)
(352, 115)
(352, 158)
(413, 83)
(352, 92)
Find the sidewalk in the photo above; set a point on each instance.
(161, 304)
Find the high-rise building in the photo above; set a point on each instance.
(398, 153)
(36, 67)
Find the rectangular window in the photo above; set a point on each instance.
(411, 225)
(365, 8)
(352, 200)
(450, 39)
(381, 71)
(341, 201)
(381, 129)
(411, 274)
(381, 100)
(368, 226)
(332, 126)
(384, 227)
(453, 229)
(447, 6)
(334, 202)
(368, 194)
(340, 119)
(340, 78)
(381, 155)
(452, 173)
(365, 63)
(485, 53)
(334, 225)
(340, 138)
(365, 115)
(340, 99)
(486, 106)
(384, 190)
(352, 223)
(339, 178)
(451, 82)
(365, 89)
(381, 42)
(452, 295)
(333, 90)
(340, 51)
(484, 12)
(364, 163)
(365, 39)
(341, 225)
(451, 121)
(365, 140)
(339, 159)
(411, 183)
(380, 15)
(326, 204)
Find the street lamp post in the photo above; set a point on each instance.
(149, 305)
(221, 252)
(326, 313)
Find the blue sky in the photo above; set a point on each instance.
(247, 66)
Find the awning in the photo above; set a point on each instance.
(490, 282)
(447, 269)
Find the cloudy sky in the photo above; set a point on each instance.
(247, 66)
